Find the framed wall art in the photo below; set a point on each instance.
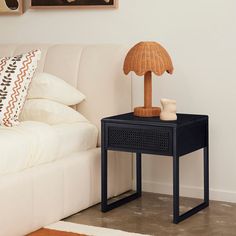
(69, 4)
(11, 7)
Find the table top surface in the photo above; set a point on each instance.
(182, 119)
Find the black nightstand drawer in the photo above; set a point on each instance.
(144, 138)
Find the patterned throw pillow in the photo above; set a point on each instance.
(15, 76)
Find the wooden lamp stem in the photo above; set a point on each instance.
(147, 110)
(148, 90)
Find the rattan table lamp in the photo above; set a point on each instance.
(145, 58)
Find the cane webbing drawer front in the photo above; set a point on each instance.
(141, 138)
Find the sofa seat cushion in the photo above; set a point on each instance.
(34, 143)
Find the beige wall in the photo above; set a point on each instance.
(201, 38)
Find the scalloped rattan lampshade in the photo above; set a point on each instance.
(143, 59)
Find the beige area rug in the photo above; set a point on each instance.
(63, 228)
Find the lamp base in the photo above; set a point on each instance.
(147, 112)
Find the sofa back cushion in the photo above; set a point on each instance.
(96, 70)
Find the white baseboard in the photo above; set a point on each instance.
(190, 191)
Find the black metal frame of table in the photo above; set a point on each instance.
(128, 133)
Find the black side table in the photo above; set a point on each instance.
(129, 133)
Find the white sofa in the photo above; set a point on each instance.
(44, 194)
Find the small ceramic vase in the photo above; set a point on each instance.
(168, 109)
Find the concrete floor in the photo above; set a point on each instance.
(152, 214)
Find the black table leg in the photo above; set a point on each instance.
(104, 178)
(175, 189)
(176, 216)
(107, 207)
(139, 174)
(206, 175)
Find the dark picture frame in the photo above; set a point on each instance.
(73, 4)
